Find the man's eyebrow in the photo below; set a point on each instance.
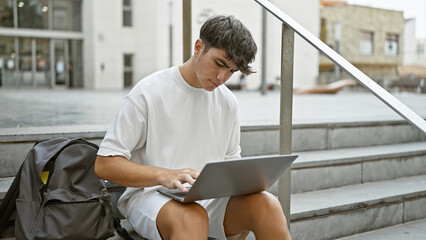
(226, 65)
(223, 62)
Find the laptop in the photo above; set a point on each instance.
(233, 178)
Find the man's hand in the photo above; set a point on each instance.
(176, 178)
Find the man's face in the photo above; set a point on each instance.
(212, 68)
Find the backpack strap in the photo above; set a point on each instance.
(120, 230)
(8, 205)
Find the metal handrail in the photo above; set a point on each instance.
(363, 79)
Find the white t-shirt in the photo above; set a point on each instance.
(165, 122)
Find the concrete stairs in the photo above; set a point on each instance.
(349, 178)
(359, 184)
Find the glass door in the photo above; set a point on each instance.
(25, 67)
(61, 64)
(42, 74)
(7, 62)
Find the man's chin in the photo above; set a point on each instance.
(210, 89)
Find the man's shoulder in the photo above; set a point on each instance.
(156, 78)
(227, 96)
(150, 83)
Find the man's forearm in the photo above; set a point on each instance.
(124, 172)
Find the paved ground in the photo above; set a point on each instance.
(35, 108)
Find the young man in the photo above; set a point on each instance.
(169, 126)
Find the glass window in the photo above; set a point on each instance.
(323, 33)
(42, 75)
(7, 61)
(366, 43)
(60, 62)
(391, 45)
(128, 70)
(25, 62)
(6, 13)
(66, 15)
(420, 49)
(33, 14)
(127, 13)
(127, 60)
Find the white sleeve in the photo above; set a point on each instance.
(127, 132)
(234, 149)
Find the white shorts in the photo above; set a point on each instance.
(144, 206)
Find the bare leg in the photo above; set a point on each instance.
(182, 221)
(260, 213)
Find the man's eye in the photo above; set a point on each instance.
(220, 65)
(234, 71)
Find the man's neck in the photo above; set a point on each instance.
(188, 73)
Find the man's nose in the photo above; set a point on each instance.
(223, 75)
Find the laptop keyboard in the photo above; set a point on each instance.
(178, 193)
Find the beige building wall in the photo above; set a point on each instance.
(410, 42)
(421, 52)
(354, 20)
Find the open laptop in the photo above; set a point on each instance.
(233, 178)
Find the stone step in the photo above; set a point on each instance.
(4, 186)
(349, 210)
(255, 140)
(415, 230)
(325, 214)
(315, 170)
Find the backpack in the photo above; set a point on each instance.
(60, 197)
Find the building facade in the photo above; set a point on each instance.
(371, 39)
(410, 42)
(113, 44)
(41, 43)
(421, 52)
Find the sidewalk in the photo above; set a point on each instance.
(37, 108)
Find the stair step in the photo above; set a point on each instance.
(315, 170)
(4, 186)
(318, 158)
(415, 230)
(255, 139)
(325, 214)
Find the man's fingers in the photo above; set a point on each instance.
(189, 179)
(179, 185)
(182, 176)
(195, 174)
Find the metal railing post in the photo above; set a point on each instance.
(361, 77)
(187, 51)
(286, 122)
(263, 72)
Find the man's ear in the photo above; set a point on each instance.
(198, 47)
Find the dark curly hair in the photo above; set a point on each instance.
(229, 34)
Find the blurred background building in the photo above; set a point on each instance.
(381, 43)
(98, 44)
(371, 39)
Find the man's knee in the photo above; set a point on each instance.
(262, 203)
(182, 219)
(193, 215)
(263, 199)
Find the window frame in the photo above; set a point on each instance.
(363, 40)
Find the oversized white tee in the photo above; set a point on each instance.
(167, 123)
